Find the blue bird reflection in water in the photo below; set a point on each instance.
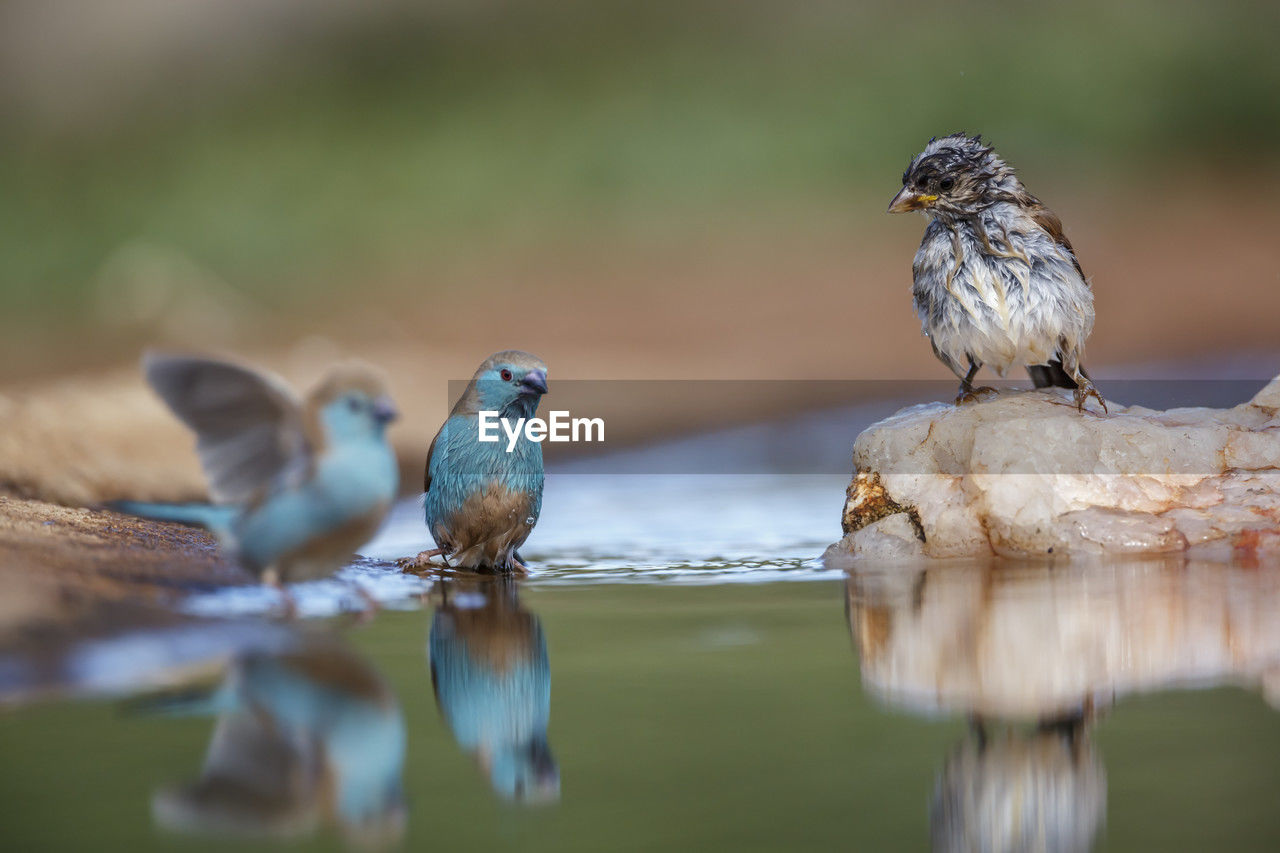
(306, 738)
(492, 681)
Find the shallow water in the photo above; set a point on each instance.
(680, 671)
(736, 716)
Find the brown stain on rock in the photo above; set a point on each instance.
(867, 501)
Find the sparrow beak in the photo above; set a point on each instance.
(384, 411)
(908, 200)
(534, 382)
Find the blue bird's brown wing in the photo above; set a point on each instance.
(426, 474)
(249, 426)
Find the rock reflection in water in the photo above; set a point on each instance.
(492, 682)
(1052, 646)
(1031, 641)
(309, 737)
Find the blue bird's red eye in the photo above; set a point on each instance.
(506, 375)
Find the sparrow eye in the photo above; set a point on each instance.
(946, 184)
(506, 375)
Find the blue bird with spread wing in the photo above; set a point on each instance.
(297, 485)
(482, 498)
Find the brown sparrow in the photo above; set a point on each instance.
(996, 279)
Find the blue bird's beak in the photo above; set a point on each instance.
(534, 382)
(384, 411)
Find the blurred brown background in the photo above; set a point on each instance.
(628, 189)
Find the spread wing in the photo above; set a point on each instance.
(1052, 225)
(254, 778)
(249, 427)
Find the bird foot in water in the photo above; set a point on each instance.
(370, 608)
(974, 395)
(421, 561)
(288, 604)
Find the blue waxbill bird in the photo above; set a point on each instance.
(305, 736)
(297, 485)
(492, 682)
(482, 498)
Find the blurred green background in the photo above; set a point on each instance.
(295, 149)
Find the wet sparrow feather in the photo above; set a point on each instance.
(997, 282)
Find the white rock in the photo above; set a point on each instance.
(1026, 473)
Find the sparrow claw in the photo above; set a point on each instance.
(975, 395)
(1086, 390)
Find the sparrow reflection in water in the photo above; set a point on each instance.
(1052, 645)
(997, 281)
(1040, 790)
(954, 644)
(492, 682)
(310, 737)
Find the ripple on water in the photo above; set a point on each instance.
(595, 528)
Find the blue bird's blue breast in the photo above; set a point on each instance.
(332, 513)
(477, 486)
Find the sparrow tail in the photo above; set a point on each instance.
(1051, 375)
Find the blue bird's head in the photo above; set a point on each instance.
(352, 405)
(510, 382)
